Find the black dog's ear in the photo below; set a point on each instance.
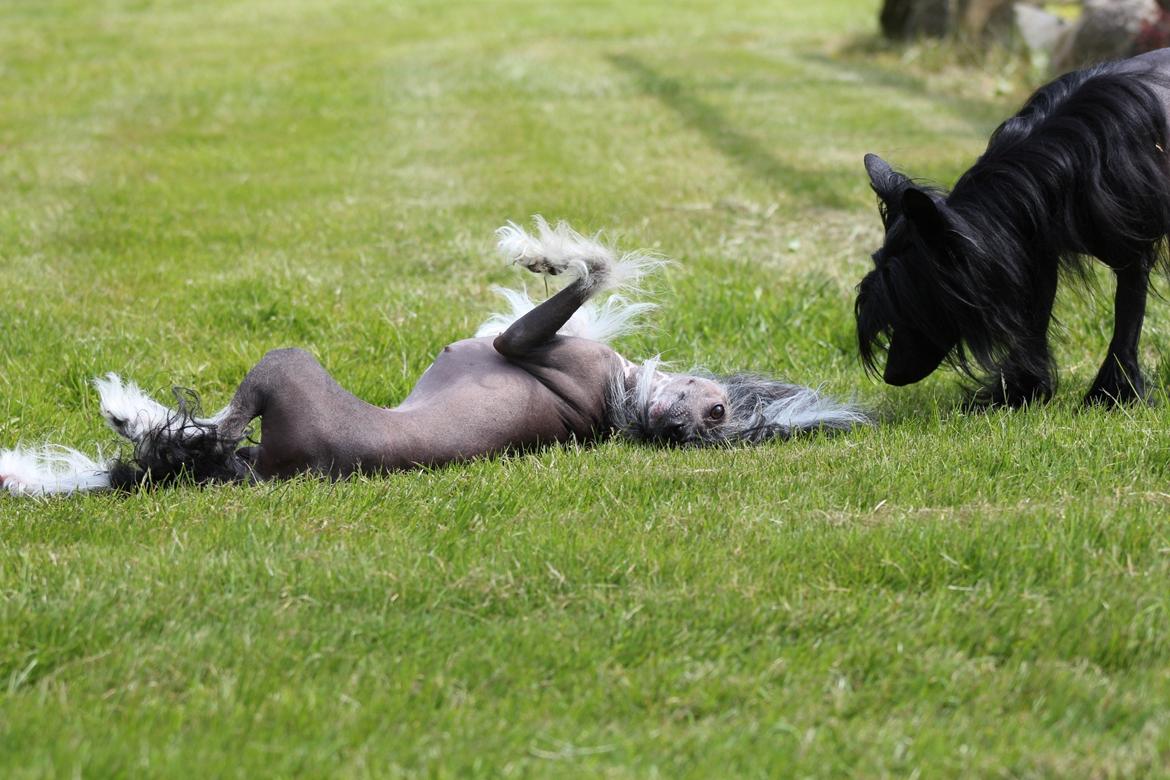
(922, 212)
(886, 182)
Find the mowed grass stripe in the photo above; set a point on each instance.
(188, 186)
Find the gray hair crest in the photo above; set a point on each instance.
(760, 408)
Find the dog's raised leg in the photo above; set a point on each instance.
(541, 324)
(1120, 379)
(308, 422)
(553, 251)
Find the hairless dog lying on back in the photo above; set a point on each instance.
(539, 375)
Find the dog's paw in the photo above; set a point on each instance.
(15, 485)
(17, 473)
(12, 485)
(553, 250)
(541, 265)
(1013, 391)
(128, 411)
(10, 464)
(1117, 385)
(528, 251)
(1111, 398)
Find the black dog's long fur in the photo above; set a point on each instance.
(970, 276)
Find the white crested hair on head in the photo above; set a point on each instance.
(759, 408)
(763, 408)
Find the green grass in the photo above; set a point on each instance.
(186, 185)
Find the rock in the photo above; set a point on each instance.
(1041, 31)
(1107, 30)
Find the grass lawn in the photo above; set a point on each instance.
(186, 185)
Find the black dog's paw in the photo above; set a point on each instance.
(983, 399)
(1002, 392)
(1117, 385)
(1112, 397)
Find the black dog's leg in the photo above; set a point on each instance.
(1026, 375)
(1120, 379)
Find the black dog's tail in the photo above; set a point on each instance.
(168, 445)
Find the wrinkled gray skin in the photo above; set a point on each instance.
(684, 408)
(527, 387)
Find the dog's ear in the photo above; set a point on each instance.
(886, 182)
(925, 214)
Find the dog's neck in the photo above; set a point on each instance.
(636, 374)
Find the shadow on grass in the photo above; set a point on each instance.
(980, 114)
(822, 188)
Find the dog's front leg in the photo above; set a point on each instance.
(1027, 374)
(540, 325)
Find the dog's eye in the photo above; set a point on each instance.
(717, 412)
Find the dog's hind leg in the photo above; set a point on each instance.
(132, 413)
(308, 422)
(166, 442)
(298, 401)
(169, 442)
(1120, 379)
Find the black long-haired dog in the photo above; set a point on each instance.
(970, 276)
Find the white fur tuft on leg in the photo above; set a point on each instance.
(560, 249)
(604, 321)
(50, 470)
(127, 409)
(132, 413)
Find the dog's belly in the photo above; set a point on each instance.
(473, 402)
(465, 365)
